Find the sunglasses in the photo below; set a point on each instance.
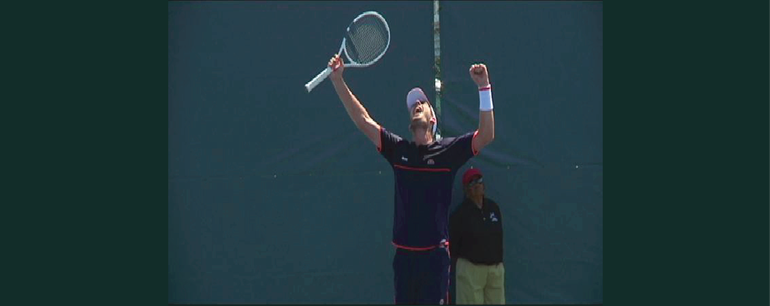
(476, 181)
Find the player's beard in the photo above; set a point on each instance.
(419, 124)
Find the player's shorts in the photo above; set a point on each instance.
(421, 277)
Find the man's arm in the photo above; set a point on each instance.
(486, 131)
(355, 110)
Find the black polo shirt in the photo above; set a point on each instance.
(423, 185)
(476, 234)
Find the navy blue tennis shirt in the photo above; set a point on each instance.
(423, 185)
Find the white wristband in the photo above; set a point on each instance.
(485, 98)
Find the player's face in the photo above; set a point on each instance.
(421, 113)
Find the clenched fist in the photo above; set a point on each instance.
(479, 75)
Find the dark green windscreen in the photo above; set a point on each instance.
(274, 196)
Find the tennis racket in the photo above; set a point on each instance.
(365, 42)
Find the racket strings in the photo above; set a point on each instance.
(367, 39)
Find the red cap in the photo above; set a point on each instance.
(469, 174)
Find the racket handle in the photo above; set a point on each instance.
(318, 79)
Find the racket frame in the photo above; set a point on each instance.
(328, 70)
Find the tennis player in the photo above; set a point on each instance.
(424, 169)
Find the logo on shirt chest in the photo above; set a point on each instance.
(429, 161)
(492, 217)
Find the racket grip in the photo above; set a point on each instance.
(318, 79)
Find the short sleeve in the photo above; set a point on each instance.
(388, 143)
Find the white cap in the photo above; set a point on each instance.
(414, 95)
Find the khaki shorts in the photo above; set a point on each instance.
(479, 284)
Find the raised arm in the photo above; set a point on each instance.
(486, 131)
(355, 110)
